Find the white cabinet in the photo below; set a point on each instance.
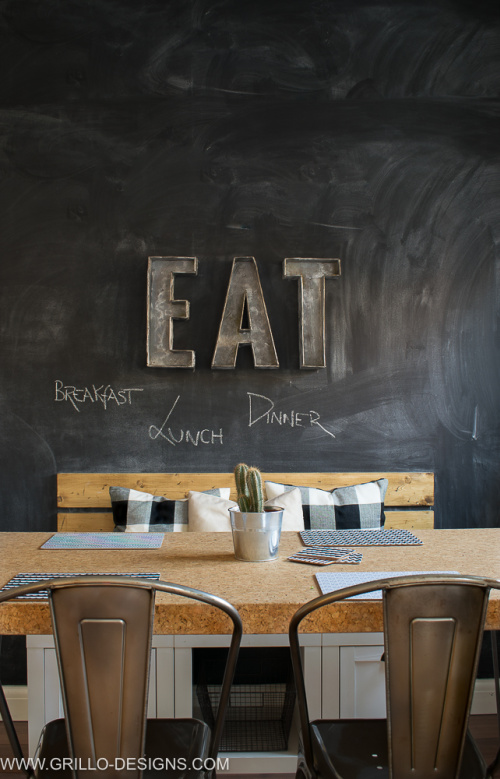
(362, 682)
(353, 675)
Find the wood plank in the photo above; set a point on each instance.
(484, 729)
(404, 489)
(6, 750)
(81, 490)
(91, 490)
(409, 520)
(92, 523)
(85, 523)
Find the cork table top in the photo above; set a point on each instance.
(266, 594)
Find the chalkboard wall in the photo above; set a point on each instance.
(360, 130)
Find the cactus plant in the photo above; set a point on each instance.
(255, 489)
(250, 492)
(240, 477)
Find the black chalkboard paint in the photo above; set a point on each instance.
(359, 130)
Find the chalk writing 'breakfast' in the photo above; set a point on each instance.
(104, 394)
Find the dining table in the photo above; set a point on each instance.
(265, 593)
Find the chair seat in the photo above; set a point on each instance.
(178, 740)
(171, 747)
(358, 750)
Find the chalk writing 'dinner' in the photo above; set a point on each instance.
(104, 394)
(262, 409)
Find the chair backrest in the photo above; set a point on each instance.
(102, 631)
(103, 635)
(433, 625)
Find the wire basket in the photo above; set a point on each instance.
(259, 713)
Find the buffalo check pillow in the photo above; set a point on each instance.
(357, 507)
(139, 512)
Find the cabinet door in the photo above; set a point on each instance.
(362, 682)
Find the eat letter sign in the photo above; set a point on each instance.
(244, 319)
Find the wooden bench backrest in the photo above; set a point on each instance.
(84, 505)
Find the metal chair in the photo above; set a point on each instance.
(102, 631)
(433, 626)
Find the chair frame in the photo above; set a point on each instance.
(384, 585)
(152, 586)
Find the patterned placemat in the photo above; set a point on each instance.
(331, 581)
(326, 555)
(104, 541)
(31, 578)
(391, 537)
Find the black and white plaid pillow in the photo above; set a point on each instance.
(358, 506)
(140, 512)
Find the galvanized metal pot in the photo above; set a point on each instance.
(256, 535)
